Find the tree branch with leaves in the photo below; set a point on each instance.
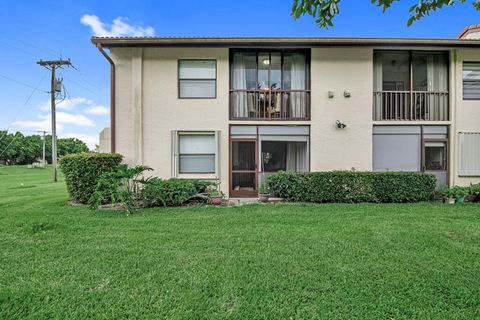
(325, 10)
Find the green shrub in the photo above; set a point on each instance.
(171, 192)
(457, 192)
(288, 185)
(83, 170)
(351, 186)
(391, 187)
(121, 186)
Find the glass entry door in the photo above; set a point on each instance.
(243, 168)
(435, 159)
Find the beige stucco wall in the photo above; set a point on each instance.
(339, 70)
(466, 112)
(104, 145)
(148, 107)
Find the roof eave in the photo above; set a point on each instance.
(278, 42)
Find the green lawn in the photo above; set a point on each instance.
(281, 261)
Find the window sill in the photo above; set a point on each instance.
(203, 176)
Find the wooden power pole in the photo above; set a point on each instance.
(53, 65)
(43, 151)
(43, 148)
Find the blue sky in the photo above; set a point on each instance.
(33, 30)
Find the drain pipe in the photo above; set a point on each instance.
(112, 97)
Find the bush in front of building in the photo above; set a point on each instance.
(352, 186)
(82, 172)
(171, 192)
(391, 187)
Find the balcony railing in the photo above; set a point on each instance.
(410, 106)
(269, 104)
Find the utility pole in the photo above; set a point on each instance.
(53, 65)
(44, 141)
(43, 153)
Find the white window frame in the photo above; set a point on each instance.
(463, 80)
(176, 155)
(180, 79)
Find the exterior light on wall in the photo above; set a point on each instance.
(340, 125)
(347, 94)
(331, 94)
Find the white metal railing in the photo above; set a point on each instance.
(410, 106)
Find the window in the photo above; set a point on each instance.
(410, 85)
(197, 79)
(196, 153)
(269, 84)
(471, 80)
(435, 156)
(469, 154)
(269, 70)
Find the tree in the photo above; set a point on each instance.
(325, 10)
(70, 145)
(20, 149)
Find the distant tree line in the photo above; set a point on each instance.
(17, 148)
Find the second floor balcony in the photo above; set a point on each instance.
(269, 85)
(410, 86)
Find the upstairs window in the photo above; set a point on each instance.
(197, 78)
(471, 81)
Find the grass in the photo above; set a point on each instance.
(367, 261)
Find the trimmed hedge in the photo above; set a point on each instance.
(351, 186)
(171, 192)
(83, 170)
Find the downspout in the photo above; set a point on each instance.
(112, 97)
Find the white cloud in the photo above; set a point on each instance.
(43, 125)
(82, 104)
(67, 104)
(97, 110)
(44, 122)
(119, 28)
(90, 140)
(71, 118)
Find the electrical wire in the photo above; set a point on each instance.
(97, 93)
(26, 101)
(18, 48)
(22, 83)
(14, 138)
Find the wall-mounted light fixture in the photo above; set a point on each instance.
(331, 94)
(347, 94)
(340, 125)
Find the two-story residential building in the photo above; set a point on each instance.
(238, 109)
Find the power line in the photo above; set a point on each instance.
(97, 93)
(86, 80)
(14, 138)
(18, 48)
(45, 48)
(48, 49)
(21, 107)
(22, 83)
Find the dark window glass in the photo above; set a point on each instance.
(435, 158)
(471, 80)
